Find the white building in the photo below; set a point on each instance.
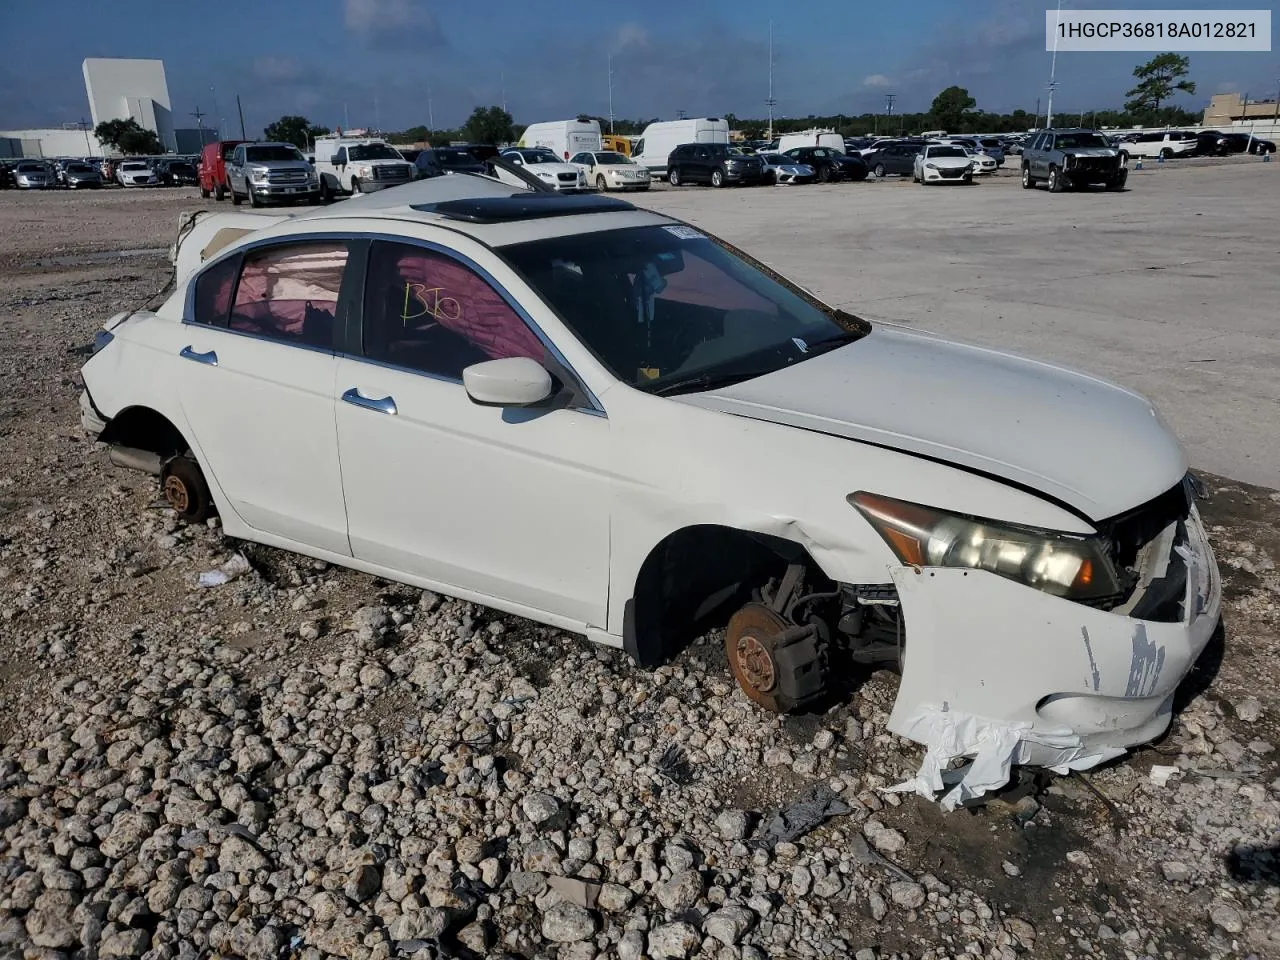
(69, 141)
(123, 89)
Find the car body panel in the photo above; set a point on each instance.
(969, 416)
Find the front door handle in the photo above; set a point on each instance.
(211, 358)
(382, 405)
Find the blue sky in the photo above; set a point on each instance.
(374, 60)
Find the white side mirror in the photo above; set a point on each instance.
(509, 382)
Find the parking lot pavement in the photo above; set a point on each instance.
(1169, 288)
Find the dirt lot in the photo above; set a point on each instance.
(308, 761)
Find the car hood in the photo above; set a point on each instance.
(949, 161)
(553, 168)
(1092, 445)
(1092, 151)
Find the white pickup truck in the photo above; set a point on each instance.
(358, 165)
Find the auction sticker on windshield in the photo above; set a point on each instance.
(1157, 30)
(682, 232)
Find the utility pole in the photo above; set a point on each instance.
(680, 114)
(1275, 117)
(503, 77)
(888, 107)
(770, 101)
(431, 117)
(611, 93)
(1053, 68)
(240, 110)
(84, 125)
(377, 116)
(1036, 125)
(221, 119)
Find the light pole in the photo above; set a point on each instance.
(611, 93)
(1053, 66)
(770, 101)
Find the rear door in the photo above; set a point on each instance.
(510, 503)
(258, 385)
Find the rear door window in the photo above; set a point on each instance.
(290, 293)
(213, 293)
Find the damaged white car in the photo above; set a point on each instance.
(606, 420)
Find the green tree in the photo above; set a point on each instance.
(128, 137)
(489, 125)
(1158, 78)
(293, 129)
(949, 108)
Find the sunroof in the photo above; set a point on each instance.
(523, 206)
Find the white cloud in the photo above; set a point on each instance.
(877, 80)
(631, 35)
(394, 21)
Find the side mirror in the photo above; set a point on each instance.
(335, 161)
(509, 382)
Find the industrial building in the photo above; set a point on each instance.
(117, 89)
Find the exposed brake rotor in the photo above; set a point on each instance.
(750, 641)
(176, 493)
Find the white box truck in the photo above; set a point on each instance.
(811, 138)
(653, 146)
(564, 138)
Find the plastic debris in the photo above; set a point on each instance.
(1160, 774)
(237, 566)
(994, 747)
(815, 805)
(584, 893)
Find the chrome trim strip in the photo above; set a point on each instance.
(351, 235)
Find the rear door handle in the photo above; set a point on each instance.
(382, 405)
(211, 358)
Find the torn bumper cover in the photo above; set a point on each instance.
(1006, 674)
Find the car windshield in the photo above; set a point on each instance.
(133, 166)
(29, 168)
(372, 151)
(947, 152)
(1079, 140)
(667, 309)
(611, 159)
(270, 154)
(538, 156)
(79, 168)
(773, 159)
(737, 152)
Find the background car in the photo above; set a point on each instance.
(136, 173)
(1072, 157)
(893, 157)
(1244, 143)
(942, 162)
(78, 175)
(271, 171)
(33, 175)
(825, 162)
(780, 169)
(438, 161)
(1165, 144)
(610, 170)
(718, 164)
(983, 163)
(547, 167)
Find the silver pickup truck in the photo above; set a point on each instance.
(1072, 158)
(260, 172)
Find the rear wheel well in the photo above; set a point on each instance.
(694, 580)
(144, 429)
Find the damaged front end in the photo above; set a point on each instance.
(1004, 674)
(1015, 646)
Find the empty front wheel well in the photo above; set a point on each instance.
(694, 580)
(144, 429)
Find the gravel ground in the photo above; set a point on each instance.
(307, 761)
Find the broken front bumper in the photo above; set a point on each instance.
(1058, 683)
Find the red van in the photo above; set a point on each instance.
(213, 167)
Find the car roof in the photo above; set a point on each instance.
(493, 212)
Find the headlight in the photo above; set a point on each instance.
(544, 175)
(365, 171)
(1061, 564)
(932, 166)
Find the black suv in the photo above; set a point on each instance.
(828, 164)
(714, 163)
(441, 160)
(897, 156)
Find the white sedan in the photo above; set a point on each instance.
(137, 173)
(609, 170)
(942, 163)
(603, 419)
(982, 163)
(547, 167)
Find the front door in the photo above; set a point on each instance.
(257, 388)
(509, 503)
